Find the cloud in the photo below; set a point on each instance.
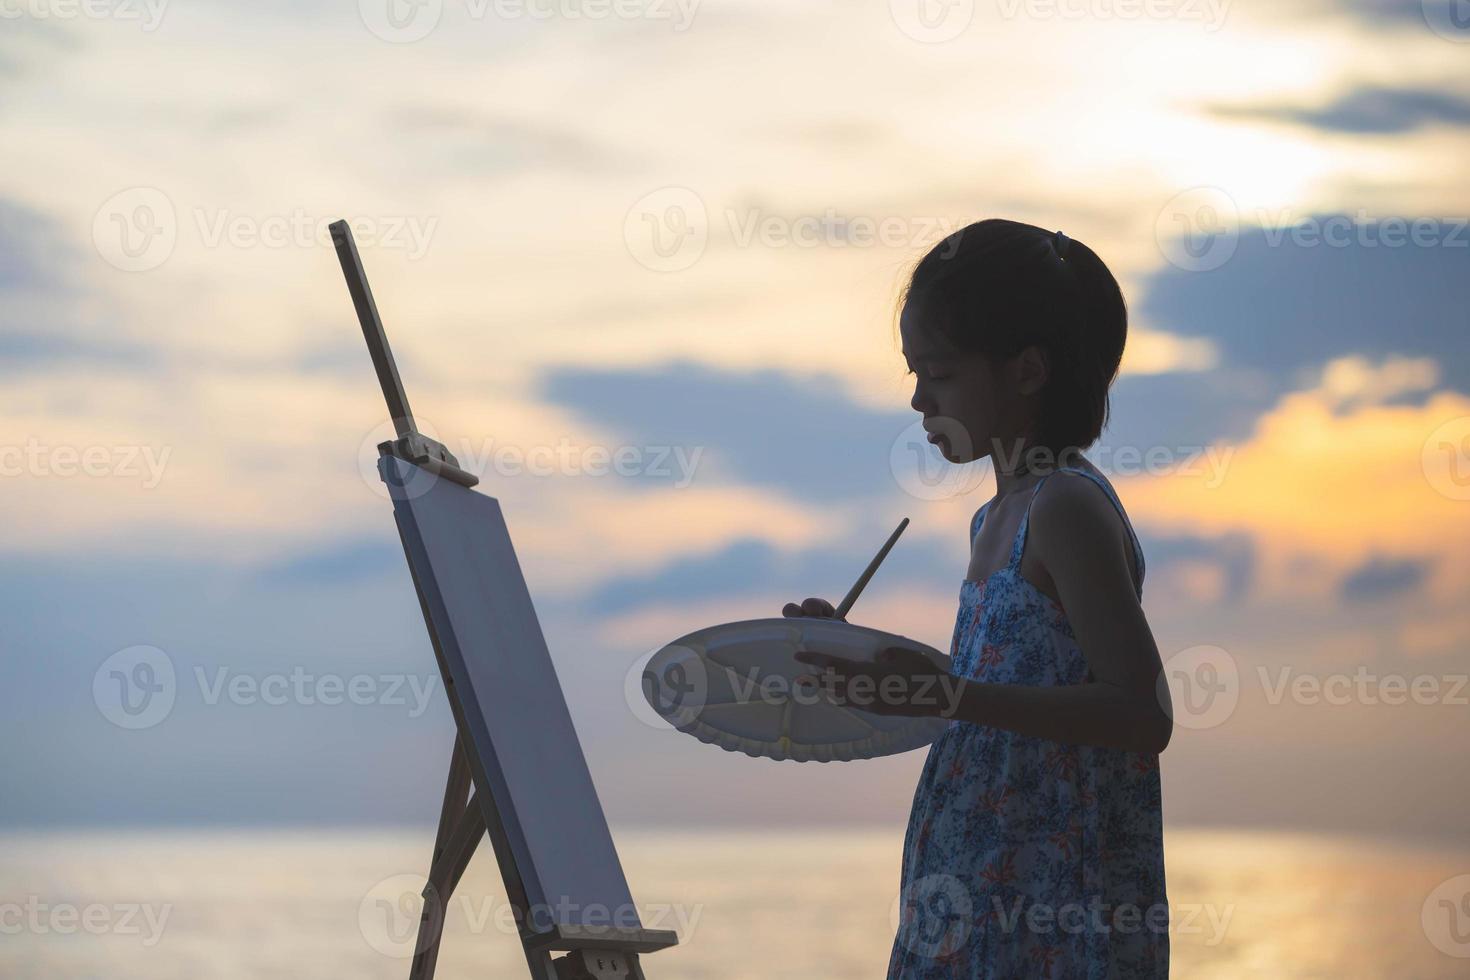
(1322, 487)
(1197, 568)
(1383, 12)
(1365, 110)
(48, 315)
(33, 250)
(1380, 578)
(1286, 303)
(472, 140)
(749, 568)
(802, 435)
(345, 563)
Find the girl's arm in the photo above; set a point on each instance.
(1082, 543)
(1077, 535)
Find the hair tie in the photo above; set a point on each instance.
(1059, 242)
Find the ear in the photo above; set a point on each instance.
(1032, 367)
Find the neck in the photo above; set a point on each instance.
(1023, 470)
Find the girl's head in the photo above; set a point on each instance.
(1014, 335)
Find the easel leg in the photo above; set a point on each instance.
(436, 897)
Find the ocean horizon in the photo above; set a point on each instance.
(748, 904)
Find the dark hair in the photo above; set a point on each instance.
(997, 287)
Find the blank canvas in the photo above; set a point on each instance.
(524, 748)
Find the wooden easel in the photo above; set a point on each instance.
(477, 800)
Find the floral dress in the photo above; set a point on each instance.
(1026, 857)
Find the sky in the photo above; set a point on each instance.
(639, 263)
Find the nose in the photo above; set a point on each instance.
(921, 402)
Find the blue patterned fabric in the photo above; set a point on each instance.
(1026, 857)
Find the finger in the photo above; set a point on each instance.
(791, 609)
(818, 607)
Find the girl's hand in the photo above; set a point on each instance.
(815, 608)
(900, 681)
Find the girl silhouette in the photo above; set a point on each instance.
(1035, 845)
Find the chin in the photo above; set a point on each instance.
(950, 456)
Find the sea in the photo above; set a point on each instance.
(748, 904)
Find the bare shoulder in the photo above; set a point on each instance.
(1073, 518)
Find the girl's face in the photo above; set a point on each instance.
(971, 405)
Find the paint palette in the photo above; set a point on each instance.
(740, 686)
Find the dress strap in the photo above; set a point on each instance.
(1020, 543)
(976, 521)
